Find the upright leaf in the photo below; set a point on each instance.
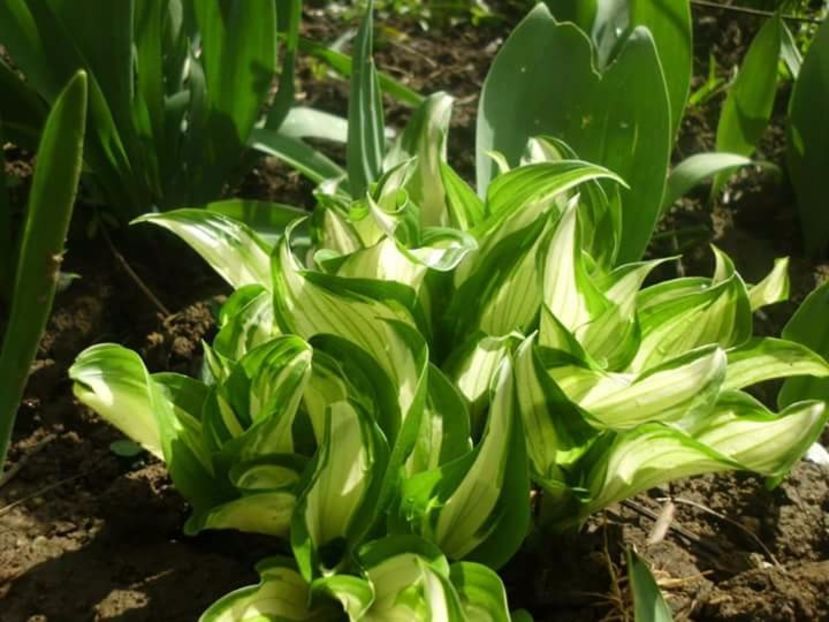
(230, 247)
(809, 326)
(747, 108)
(365, 149)
(620, 119)
(807, 150)
(41, 247)
(670, 24)
(238, 56)
(648, 603)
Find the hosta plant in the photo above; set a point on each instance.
(404, 363)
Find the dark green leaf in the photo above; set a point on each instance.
(748, 107)
(365, 148)
(810, 327)
(670, 24)
(648, 603)
(41, 248)
(807, 153)
(343, 65)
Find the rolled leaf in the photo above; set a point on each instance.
(282, 594)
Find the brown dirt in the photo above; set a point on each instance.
(87, 535)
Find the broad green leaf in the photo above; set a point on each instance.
(481, 592)
(247, 322)
(580, 12)
(773, 288)
(808, 326)
(609, 26)
(684, 387)
(766, 358)
(41, 245)
(648, 603)
(759, 440)
(642, 458)
(807, 150)
(365, 148)
(231, 248)
(604, 118)
(747, 108)
(338, 504)
(411, 581)
(556, 431)
(717, 314)
(697, 169)
(267, 513)
(268, 220)
(282, 594)
(309, 304)
(669, 21)
(483, 517)
(113, 382)
(444, 428)
(354, 593)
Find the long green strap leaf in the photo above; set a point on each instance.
(365, 149)
(809, 326)
(747, 108)
(648, 603)
(47, 221)
(807, 152)
(343, 65)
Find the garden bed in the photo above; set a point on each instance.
(86, 534)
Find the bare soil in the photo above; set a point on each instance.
(88, 535)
